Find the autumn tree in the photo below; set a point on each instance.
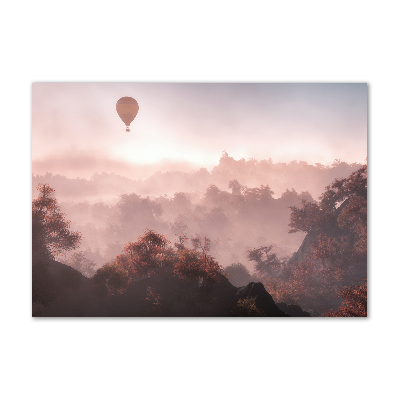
(51, 237)
(355, 302)
(111, 279)
(147, 256)
(151, 256)
(348, 193)
(51, 234)
(307, 217)
(337, 226)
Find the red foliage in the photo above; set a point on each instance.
(354, 185)
(191, 265)
(146, 256)
(336, 251)
(340, 218)
(51, 235)
(355, 302)
(151, 255)
(310, 215)
(322, 213)
(111, 279)
(354, 217)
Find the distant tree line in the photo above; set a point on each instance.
(334, 263)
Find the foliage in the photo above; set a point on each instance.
(152, 256)
(270, 270)
(196, 264)
(262, 193)
(235, 186)
(237, 274)
(339, 221)
(246, 308)
(147, 256)
(323, 213)
(51, 235)
(355, 302)
(153, 302)
(308, 217)
(81, 263)
(267, 263)
(193, 266)
(109, 280)
(336, 256)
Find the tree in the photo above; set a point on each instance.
(235, 186)
(51, 234)
(111, 279)
(82, 264)
(262, 194)
(237, 274)
(147, 256)
(271, 271)
(355, 302)
(267, 263)
(193, 266)
(134, 213)
(344, 202)
(152, 256)
(306, 218)
(337, 226)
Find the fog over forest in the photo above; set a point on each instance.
(238, 204)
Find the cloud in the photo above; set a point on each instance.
(85, 164)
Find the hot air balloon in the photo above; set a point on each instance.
(127, 108)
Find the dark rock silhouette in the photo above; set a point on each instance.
(296, 311)
(263, 300)
(73, 291)
(164, 296)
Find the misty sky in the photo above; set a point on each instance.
(77, 132)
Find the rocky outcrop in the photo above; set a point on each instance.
(296, 311)
(331, 231)
(263, 300)
(165, 296)
(305, 247)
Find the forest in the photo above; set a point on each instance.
(248, 238)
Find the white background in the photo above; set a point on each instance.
(182, 41)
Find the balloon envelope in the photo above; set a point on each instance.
(127, 108)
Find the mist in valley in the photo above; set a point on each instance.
(238, 205)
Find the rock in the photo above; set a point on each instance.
(295, 311)
(165, 296)
(263, 300)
